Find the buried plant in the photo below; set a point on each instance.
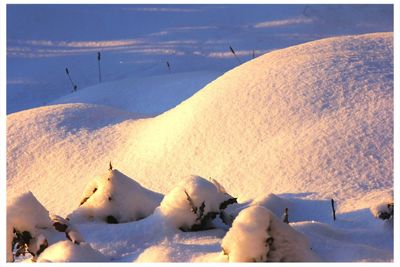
(194, 203)
(115, 198)
(257, 235)
(30, 228)
(383, 211)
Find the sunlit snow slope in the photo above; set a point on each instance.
(313, 118)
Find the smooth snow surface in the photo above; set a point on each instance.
(117, 195)
(146, 96)
(66, 251)
(312, 122)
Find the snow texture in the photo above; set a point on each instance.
(65, 251)
(193, 199)
(147, 96)
(316, 117)
(114, 194)
(26, 213)
(257, 235)
(308, 123)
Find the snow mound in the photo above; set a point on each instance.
(115, 198)
(257, 235)
(65, 251)
(145, 96)
(26, 213)
(194, 203)
(314, 118)
(158, 253)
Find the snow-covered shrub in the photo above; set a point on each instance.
(257, 235)
(26, 218)
(30, 228)
(65, 251)
(115, 198)
(383, 211)
(194, 203)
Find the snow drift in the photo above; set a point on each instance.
(316, 117)
(313, 120)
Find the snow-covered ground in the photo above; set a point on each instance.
(137, 41)
(143, 96)
(308, 123)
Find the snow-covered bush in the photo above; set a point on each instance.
(383, 211)
(31, 229)
(26, 218)
(115, 198)
(257, 235)
(65, 251)
(194, 203)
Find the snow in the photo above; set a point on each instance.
(197, 38)
(147, 96)
(26, 213)
(355, 237)
(308, 124)
(191, 201)
(65, 251)
(258, 235)
(297, 204)
(114, 194)
(383, 210)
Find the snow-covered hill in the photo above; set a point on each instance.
(147, 96)
(313, 120)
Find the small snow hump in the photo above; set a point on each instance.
(194, 203)
(115, 198)
(257, 235)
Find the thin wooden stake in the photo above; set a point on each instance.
(333, 209)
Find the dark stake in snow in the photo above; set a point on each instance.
(286, 216)
(110, 167)
(98, 61)
(168, 66)
(74, 86)
(233, 52)
(333, 209)
(83, 201)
